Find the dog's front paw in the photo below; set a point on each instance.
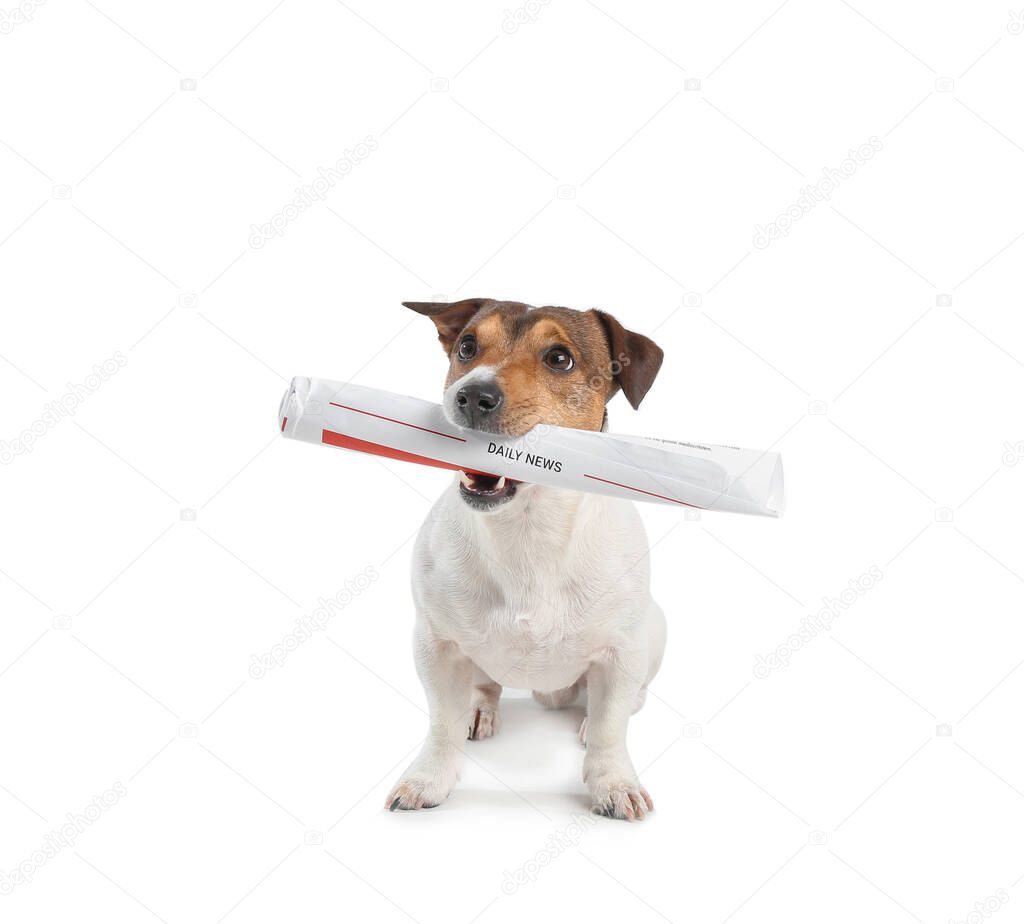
(427, 781)
(625, 799)
(416, 792)
(617, 792)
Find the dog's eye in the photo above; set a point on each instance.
(467, 348)
(559, 359)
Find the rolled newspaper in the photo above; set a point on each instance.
(700, 475)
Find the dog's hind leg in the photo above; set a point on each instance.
(484, 718)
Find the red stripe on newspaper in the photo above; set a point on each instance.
(402, 422)
(641, 491)
(376, 449)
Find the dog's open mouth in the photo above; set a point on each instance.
(486, 491)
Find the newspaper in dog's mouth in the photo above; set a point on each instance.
(491, 466)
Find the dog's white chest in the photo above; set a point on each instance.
(532, 602)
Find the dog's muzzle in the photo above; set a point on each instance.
(475, 401)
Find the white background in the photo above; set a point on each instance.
(878, 346)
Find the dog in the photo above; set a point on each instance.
(529, 586)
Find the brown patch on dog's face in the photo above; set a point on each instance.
(527, 366)
(547, 362)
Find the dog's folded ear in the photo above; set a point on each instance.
(635, 358)
(449, 317)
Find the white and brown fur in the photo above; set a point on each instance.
(528, 586)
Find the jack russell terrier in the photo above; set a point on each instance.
(528, 586)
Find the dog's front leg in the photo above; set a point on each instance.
(447, 678)
(613, 688)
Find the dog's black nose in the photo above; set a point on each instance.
(477, 400)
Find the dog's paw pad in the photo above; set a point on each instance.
(627, 800)
(485, 722)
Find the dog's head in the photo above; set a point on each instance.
(512, 367)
